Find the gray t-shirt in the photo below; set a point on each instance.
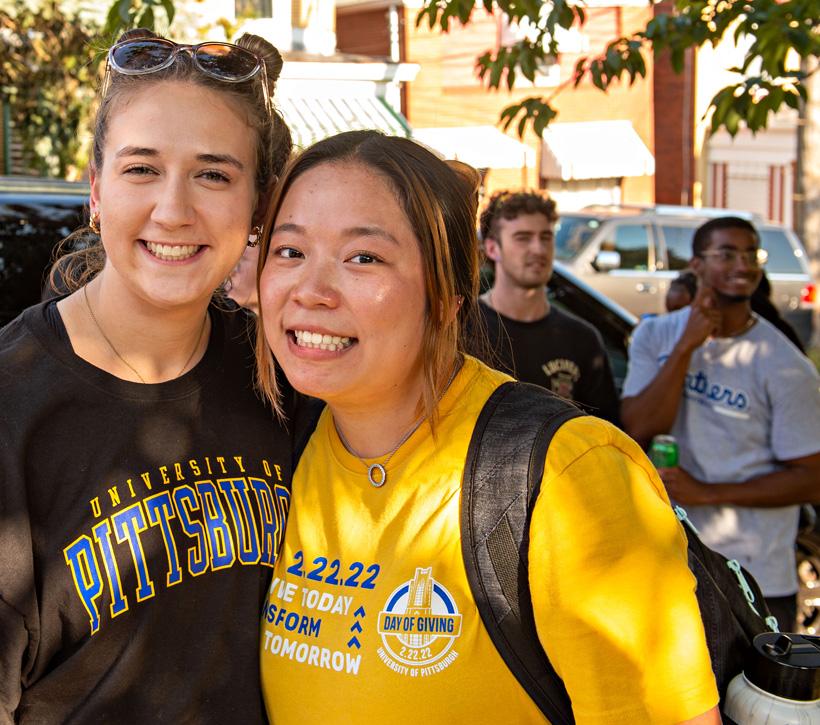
(748, 402)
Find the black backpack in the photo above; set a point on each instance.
(502, 477)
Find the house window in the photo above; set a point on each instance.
(253, 8)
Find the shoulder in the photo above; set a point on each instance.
(18, 341)
(575, 325)
(597, 451)
(661, 329)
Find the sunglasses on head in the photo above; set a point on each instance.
(223, 61)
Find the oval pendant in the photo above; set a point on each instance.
(376, 482)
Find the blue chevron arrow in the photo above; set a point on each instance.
(357, 627)
(354, 643)
(359, 612)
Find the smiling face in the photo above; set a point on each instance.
(523, 250)
(175, 193)
(732, 280)
(342, 290)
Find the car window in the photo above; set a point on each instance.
(678, 242)
(631, 241)
(29, 230)
(572, 233)
(782, 256)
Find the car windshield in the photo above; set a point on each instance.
(572, 232)
(782, 256)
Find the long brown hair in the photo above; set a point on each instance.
(81, 256)
(440, 200)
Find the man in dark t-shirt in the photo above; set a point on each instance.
(529, 338)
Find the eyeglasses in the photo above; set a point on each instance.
(753, 257)
(223, 61)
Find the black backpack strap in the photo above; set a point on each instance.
(502, 477)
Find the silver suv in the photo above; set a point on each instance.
(632, 253)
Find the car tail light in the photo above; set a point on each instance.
(808, 294)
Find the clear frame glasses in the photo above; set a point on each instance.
(753, 257)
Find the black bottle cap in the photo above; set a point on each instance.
(786, 665)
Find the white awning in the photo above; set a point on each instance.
(314, 117)
(484, 147)
(594, 150)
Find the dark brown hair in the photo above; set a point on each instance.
(81, 255)
(440, 202)
(510, 205)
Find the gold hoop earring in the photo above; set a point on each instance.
(255, 236)
(94, 223)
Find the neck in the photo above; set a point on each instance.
(735, 317)
(373, 433)
(373, 427)
(156, 344)
(524, 304)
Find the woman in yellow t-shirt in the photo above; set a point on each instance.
(370, 276)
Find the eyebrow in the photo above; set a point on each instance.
(365, 231)
(204, 158)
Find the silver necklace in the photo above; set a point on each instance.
(377, 481)
(121, 358)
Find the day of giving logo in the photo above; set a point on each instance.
(419, 626)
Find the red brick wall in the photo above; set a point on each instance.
(364, 32)
(674, 126)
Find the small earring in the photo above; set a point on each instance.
(94, 222)
(254, 236)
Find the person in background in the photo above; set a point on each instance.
(143, 484)
(763, 306)
(682, 291)
(370, 278)
(744, 407)
(529, 338)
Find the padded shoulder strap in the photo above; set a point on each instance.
(502, 477)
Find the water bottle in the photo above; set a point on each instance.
(780, 683)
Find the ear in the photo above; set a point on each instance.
(492, 249)
(696, 265)
(94, 198)
(263, 203)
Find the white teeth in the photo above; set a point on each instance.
(172, 252)
(331, 343)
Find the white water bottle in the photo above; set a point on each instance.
(779, 685)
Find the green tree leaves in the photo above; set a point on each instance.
(772, 32)
(47, 77)
(125, 14)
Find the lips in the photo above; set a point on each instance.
(321, 341)
(171, 252)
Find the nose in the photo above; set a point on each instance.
(317, 284)
(173, 207)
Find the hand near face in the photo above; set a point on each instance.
(704, 319)
(683, 488)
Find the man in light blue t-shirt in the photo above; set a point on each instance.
(744, 406)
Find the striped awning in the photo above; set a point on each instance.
(312, 118)
(594, 150)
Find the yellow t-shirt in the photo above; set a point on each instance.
(370, 616)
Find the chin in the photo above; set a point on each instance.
(728, 299)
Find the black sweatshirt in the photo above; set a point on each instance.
(138, 526)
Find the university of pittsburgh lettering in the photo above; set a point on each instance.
(205, 524)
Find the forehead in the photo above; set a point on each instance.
(342, 198)
(525, 223)
(733, 237)
(181, 117)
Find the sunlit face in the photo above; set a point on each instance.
(734, 280)
(175, 193)
(524, 250)
(342, 290)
